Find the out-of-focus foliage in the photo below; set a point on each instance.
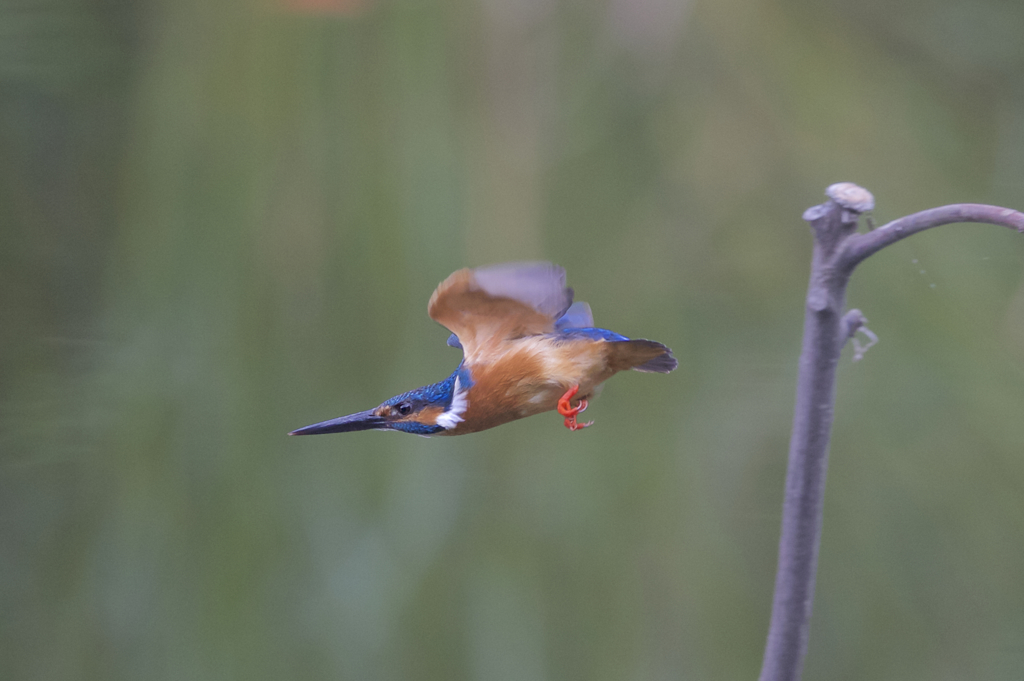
(222, 220)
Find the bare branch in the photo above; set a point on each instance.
(808, 448)
(860, 246)
(838, 248)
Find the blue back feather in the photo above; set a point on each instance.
(592, 333)
(578, 316)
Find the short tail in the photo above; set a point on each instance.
(642, 355)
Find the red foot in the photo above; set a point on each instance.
(566, 409)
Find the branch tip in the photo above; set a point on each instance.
(851, 197)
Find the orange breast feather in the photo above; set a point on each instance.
(526, 376)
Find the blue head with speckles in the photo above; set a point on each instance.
(425, 411)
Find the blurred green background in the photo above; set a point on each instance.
(222, 220)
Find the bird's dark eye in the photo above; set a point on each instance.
(404, 408)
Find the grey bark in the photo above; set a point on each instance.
(838, 249)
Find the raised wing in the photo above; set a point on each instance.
(487, 305)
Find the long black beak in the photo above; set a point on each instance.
(364, 420)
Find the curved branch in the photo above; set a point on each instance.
(860, 246)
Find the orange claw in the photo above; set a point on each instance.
(566, 409)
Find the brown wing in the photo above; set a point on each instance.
(487, 305)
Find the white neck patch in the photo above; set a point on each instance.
(460, 402)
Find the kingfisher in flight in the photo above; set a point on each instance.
(527, 349)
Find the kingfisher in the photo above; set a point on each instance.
(526, 349)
